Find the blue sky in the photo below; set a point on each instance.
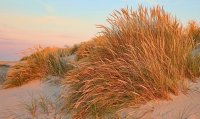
(26, 23)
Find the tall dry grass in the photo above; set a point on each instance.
(73, 50)
(87, 48)
(43, 62)
(193, 30)
(146, 56)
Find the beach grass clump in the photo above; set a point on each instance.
(58, 66)
(87, 48)
(74, 49)
(193, 67)
(43, 62)
(22, 73)
(3, 71)
(145, 57)
(194, 31)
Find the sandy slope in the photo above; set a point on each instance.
(180, 107)
(11, 100)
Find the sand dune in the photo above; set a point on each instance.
(184, 106)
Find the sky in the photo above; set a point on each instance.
(28, 23)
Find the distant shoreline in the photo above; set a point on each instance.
(9, 63)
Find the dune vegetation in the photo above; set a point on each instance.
(146, 55)
(87, 48)
(141, 56)
(3, 72)
(43, 62)
(194, 31)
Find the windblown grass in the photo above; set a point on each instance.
(87, 48)
(193, 67)
(147, 55)
(73, 50)
(21, 73)
(43, 62)
(194, 31)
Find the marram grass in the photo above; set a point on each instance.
(43, 62)
(146, 56)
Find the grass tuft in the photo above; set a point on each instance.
(31, 107)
